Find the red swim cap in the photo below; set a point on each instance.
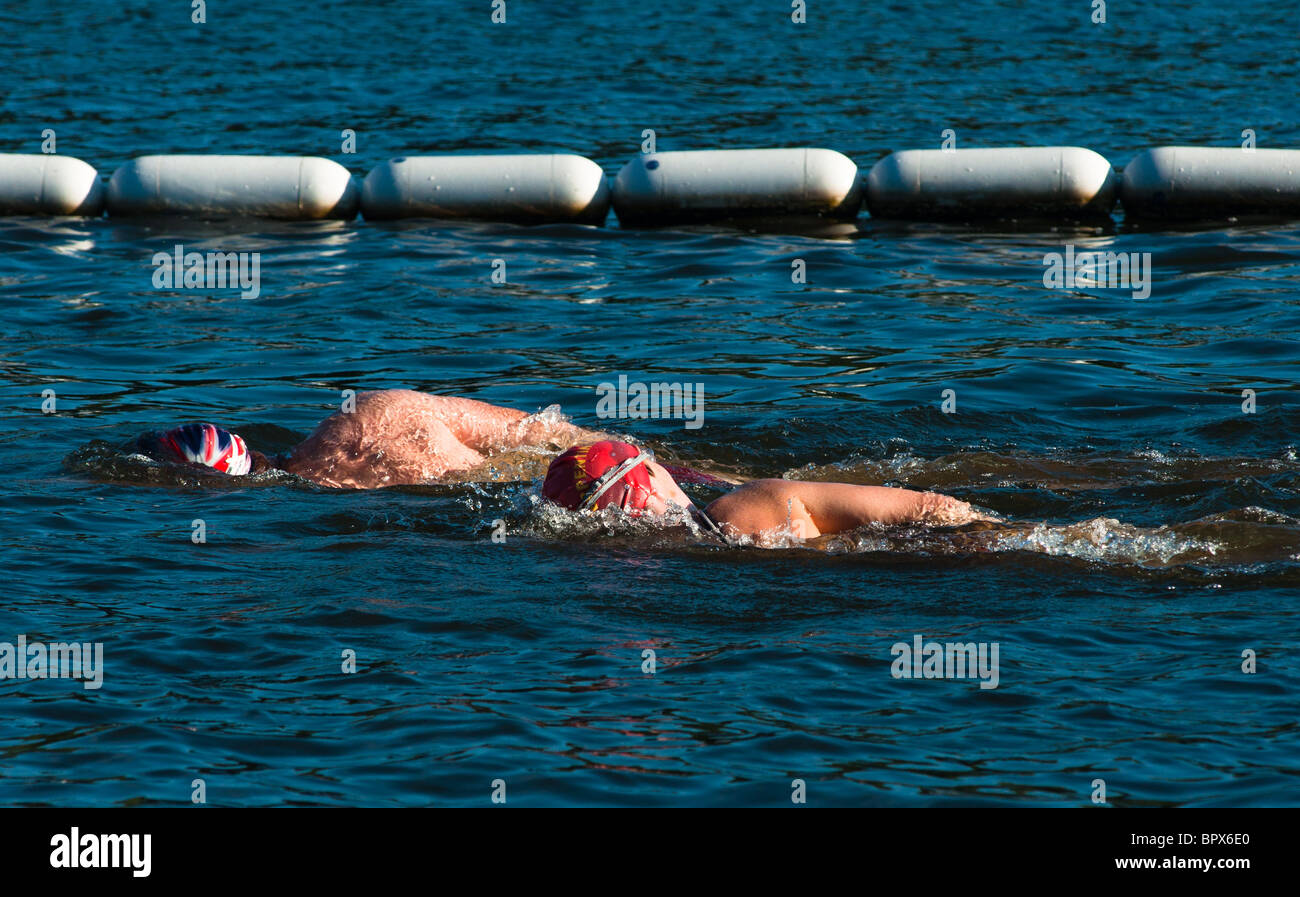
(599, 475)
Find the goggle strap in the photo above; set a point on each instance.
(609, 478)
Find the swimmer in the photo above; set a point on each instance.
(617, 474)
(393, 437)
(402, 437)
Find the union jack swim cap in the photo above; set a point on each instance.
(210, 446)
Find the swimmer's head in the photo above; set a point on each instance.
(605, 474)
(203, 444)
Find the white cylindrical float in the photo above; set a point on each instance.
(233, 186)
(1033, 181)
(48, 184)
(703, 185)
(1207, 182)
(527, 188)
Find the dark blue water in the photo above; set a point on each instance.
(1152, 528)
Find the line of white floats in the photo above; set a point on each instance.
(1066, 182)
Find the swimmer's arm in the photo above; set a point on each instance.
(813, 509)
(488, 428)
(836, 507)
